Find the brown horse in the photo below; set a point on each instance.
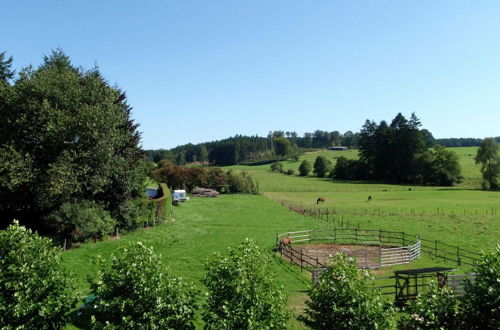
(320, 200)
(285, 242)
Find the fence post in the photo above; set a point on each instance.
(366, 256)
(356, 235)
(458, 256)
(301, 258)
(64, 246)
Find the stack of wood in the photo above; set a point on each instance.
(204, 192)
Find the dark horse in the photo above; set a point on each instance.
(320, 200)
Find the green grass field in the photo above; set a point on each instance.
(460, 215)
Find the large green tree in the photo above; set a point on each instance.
(282, 147)
(487, 156)
(66, 135)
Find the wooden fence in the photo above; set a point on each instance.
(375, 248)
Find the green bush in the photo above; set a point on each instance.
(242, 293)
(134, 292)
(435, 309)
(305, 168)
(35, 292)
(81, 221)
(277, 167)
(290, 172)
(344, 298)
(321, 166)
(481, 304)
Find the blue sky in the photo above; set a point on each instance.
(197, 71)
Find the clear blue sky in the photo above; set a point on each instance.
(197, 71)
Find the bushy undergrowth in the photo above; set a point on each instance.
(344, 298)
(242, 293)
(435, 309)
(35, 292)
(81, 221)
(178, 177)
(135, 292)
(480, 308)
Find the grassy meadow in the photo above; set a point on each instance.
(460, 215)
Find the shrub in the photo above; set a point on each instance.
(290, 172)
(344, 298)
(240, 183)
(321, 166)
(305, 168)
(134, 292)
(277, 167)
(82, 221)
(481, 304)
(242, 293)
(35, 292)
(435, 309)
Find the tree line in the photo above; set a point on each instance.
(240, 149)
(462, 142)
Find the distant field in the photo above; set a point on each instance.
(462, 214)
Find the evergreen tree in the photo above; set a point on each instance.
(305, 168)
(321, 166)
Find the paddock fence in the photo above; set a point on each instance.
(372, 248)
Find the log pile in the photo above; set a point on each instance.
(204, 192)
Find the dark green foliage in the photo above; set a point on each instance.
(488, 157)
(277, 167)
(290, 172)
(81, 221)
(348, 169)
(35, 292)
(429, 140)
(282, 147)
(344, 298)
(6, 73)
(305, 168)
(321, 166)
(135, 292)
(242, 293)
(439, 167)
(396, 153)
(435, 309)
(178, 177)
(462, 142)
(481, 304)
(66, 135)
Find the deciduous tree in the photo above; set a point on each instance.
(487, 156)
(66, 135)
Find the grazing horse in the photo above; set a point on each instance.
(369, 198)
(320, 200)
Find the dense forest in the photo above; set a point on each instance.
(239, 149)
